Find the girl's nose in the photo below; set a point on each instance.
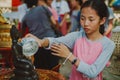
(86, 22)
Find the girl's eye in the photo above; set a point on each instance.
(81, 18)
(91, 19)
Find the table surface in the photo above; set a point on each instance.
(43, 74)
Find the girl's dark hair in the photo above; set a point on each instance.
(100, 7)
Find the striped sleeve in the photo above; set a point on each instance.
(67, 40)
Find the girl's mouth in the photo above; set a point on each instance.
(86, 29)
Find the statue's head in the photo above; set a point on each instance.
(14, 33)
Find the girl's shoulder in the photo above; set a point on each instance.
(78, 34)
(107, 42)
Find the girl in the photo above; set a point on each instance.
(90, 49)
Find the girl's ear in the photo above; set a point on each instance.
(103, 21)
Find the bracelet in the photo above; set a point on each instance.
(67, 58)
(74, 61)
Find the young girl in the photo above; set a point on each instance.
(90, 49)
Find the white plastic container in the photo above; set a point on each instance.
(29, 46)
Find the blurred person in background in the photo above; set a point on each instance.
(39, 24)
(22, 9)
(108, 32)
(78, 18)
(109, 23)
(48, 3)
(53, 11)
(17, 13)
(62, 8)
(75, 5)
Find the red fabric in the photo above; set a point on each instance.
(15, 3)
(109, 35)
(63, 28)
(26, 31)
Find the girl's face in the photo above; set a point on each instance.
(90, 21)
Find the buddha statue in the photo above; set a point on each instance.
(24, 69)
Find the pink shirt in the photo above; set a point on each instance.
(54, 13)
(88, 52)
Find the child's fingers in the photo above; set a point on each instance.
(55, 54)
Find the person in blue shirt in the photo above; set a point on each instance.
(38, 24)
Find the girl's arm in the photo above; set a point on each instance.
(41, 42)
(67, 40)
(94, 69)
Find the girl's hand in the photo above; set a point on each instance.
(60, 50)
(39, 41)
